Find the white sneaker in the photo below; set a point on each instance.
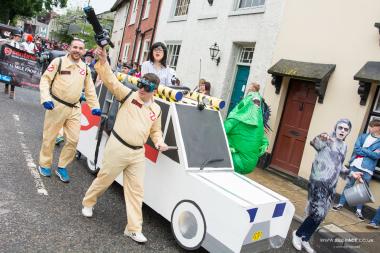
(87, 211)
(337, 207)
(297, 241)
(307, 247)
(136, 236)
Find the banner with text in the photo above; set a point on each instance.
(22, 68)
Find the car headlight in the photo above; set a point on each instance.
(276, 241)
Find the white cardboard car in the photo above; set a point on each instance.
(195, 187)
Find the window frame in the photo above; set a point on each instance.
(146, 49)
(238, 2)
(242, 51)
(373, 113)
(377, 101)
(124, 58)
(132, 20)
(169, 60)
(176, 6)
(236, 11)
(147, 9)
(137, 51)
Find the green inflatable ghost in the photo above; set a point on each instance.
(245, 132)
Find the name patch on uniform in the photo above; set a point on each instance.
(65, 72)
(135, 102)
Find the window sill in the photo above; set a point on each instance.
(208, 16)
(131, 23)
(177, 19)
(248, 11)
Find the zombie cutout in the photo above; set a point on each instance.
(245, 132)
(326, 168)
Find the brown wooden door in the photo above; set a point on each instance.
(295, 121)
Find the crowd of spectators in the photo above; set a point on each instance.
(29, 43)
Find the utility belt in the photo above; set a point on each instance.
(123, 142)
(64, 102)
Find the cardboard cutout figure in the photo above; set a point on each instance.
(326, 169)
(245, 132)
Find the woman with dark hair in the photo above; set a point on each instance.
(156, 63)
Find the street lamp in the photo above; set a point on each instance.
(214, 51)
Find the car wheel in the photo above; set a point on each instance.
(91, 167)
(188, 225)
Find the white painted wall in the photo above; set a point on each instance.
(219, 23)
(118, 30)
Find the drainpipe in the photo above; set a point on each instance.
(138, 30)
(155, 21)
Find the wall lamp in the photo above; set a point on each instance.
(214, 51)
(210, 2)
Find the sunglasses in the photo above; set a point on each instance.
(146, 85)
(343, 128)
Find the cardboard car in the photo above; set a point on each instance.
(194, 186)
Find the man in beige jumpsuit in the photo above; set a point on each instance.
(60, 88)
(138, 118)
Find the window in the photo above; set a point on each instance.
(374, 114)
(147, 8)
(125, 53)
(137, 51)
(243, 4)
(173, 53)
(246, 55)
(376, 106)
(181, 7)
(145, 51)
(216, 144)
(134, 11)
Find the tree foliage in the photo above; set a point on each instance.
(11, 9)
(76, 17)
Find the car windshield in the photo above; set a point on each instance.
(204, 138)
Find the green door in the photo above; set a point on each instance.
(239, 86)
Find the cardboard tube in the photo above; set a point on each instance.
(210, 101)
(163, 90)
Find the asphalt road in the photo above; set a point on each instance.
(34, 222)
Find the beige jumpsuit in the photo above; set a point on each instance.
(135, 122)
(67, 86)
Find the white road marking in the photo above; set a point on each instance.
(29, 159)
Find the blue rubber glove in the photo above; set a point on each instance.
(48, 105)
(82, 97)
(96, 112)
